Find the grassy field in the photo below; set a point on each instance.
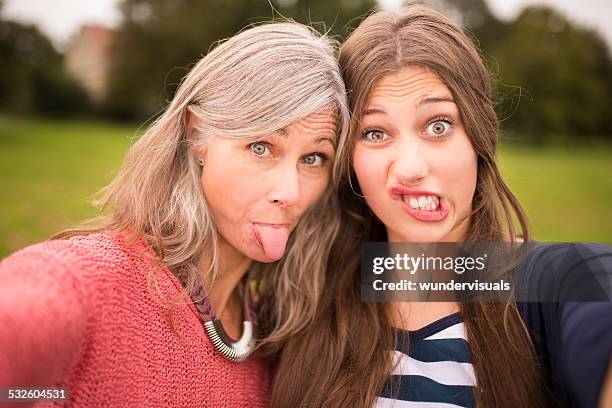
(566, 193)
(50, 169)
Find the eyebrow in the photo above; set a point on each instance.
(436, 99)
(374, 110)
(283, 132)
(424, 101)
(324, 139)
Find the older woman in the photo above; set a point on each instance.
(151, 304)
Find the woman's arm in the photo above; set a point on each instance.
(42, 319)
(584, 350)
(570, 317)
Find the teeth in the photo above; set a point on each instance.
(423, 203)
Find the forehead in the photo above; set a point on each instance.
(412, 83)
(321, 123)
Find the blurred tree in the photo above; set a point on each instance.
(32, 76)
(337, 16)
(565, 71)
(160, 39)
(475, 17)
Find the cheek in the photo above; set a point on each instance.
(459, 170)
(223, 200)
(311, 190)
(370, 169)
(223, 183)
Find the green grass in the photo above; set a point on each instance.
(49, 172)
(50, 169)
(565, 192)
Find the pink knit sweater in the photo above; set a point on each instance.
(77, 313)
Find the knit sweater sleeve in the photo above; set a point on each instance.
(43, 315)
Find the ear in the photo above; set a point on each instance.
(191, 133)
(191, 120)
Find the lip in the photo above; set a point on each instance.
(272, 224)
(397, 191)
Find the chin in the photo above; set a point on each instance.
(425, 233)
(266, 260)
(258, 255)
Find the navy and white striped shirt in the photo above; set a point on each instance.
(433, 370)
(573, 340)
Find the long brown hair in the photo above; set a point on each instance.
(342, 360)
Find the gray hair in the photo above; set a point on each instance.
(251, 85)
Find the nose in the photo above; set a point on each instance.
(285, 186)
(410, 165)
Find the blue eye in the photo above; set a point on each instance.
(260, 149)
(315, 159)
(438, 127)
(375, 136)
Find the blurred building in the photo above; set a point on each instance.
(88, 59)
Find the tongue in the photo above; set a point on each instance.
(273, 239)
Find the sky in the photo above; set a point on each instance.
(60, 19)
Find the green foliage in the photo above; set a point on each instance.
(32, 76)
(337, 16)
(160, 39)
(566, 73)
(553, 79)
(476, 19)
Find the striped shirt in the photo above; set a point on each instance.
(433, 370)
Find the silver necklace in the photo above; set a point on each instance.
(234, 351)
(238, 350)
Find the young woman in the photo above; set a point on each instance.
(233, 176)
(421, 167)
